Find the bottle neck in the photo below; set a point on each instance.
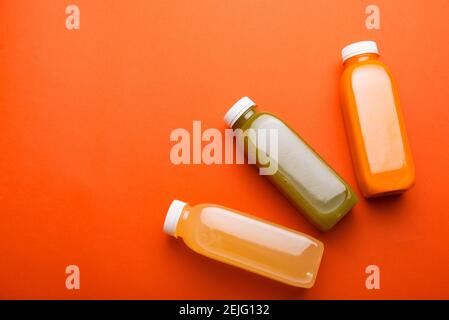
(248, 114)
(181, 226)
(360, 58)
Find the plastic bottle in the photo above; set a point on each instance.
(374, 123)
(246, 242)
(302, 175)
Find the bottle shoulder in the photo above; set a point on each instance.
(198, 210)
(373, 64)
(259, 119)
(199, 220)
(365, 71)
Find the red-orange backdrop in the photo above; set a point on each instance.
(85, 119)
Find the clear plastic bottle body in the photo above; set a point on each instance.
(250, 243)
(310, 184)
(375, 127)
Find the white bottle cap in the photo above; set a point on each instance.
(172, 218)
(357, 48)
(236, 111)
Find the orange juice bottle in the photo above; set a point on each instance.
(246, 242)
(374, 123)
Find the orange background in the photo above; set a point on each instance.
(85, 119)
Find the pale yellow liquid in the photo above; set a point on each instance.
(252, 244)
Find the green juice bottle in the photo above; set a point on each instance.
(295, 168)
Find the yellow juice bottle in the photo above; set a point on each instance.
(246, 242)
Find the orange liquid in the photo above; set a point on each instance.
(252, 244)
(375, 128)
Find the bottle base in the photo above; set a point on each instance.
(380, 194)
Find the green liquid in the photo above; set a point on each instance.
(302, 175)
